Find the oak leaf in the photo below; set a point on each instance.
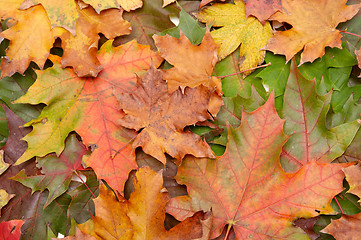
(87, 106)
(80, 50)
(247, 188)
(161, 116)
(25, 46)
(347, 227)
(262, 9)
(305, 113)
(127, 5)
(140, 217)
(313, 27)
(236, 29)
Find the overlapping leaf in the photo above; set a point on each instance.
(347, 227)
(127, 5)
(305, 112)
(262, 9)
(87, 106)
(25, 46)
(236, 29)
(162, 116)
(313, 27)
(246, 187)
(11, 230)
(140, 217)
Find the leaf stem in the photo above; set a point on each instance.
(260, 66)
(339, 205)
(85, 184)
(353, 34)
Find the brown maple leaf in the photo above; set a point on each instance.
(142, 216)
(262, 9)
(353, 177)
(161, 116)
(314, 25)
(347, 227)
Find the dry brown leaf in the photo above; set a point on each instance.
(262, 9)
(161, 116)
(313, 27)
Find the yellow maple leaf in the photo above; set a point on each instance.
(314, 25)
(127, 5)
(9, 8)
(236, 29)
(25, 46)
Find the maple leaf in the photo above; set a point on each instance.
(140, 217)
(87, 106)
(205, 2)
(358, 55)
(61, 13)
(11, 230)
(313, 27)
(247, 188)
(25, 46)
(127, 5)
(352, 174)
(305, 112)
(262, 9)
(146, 21)
(57, 171)
(80, 50)
(4, 197)
(347, 227)
(9, 8)
(162, 117)
(236, 29)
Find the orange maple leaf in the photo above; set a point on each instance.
(142, 216)
(25, 46)
(314, 25)
(247, 188)
(80, 50)
(347, 227)
(161, 116)
(88, 107)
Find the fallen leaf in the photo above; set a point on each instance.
(25, 46)
(353, 174)
(4, 198)
(87, 106)
(247, 188)
(57, 172)
(146, 21)
(9, 8)
(11, 230)
(305, 113)
(236, 29)
(262, 9)
(358, 56)
(167, 2)
(61, 13)
(3, 165)
(140, 217)
(162, 116)
(205, 2)
(127, 5)
(313, 27)
(193, 65)
(347, 227)
(79, 235)
(80, 51)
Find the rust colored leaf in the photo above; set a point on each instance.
(305, 113)
(80, 51)
(353, 177)
(347, 227)
(25, 46)
(161, 116)
(247, 188)
(313, 27)
(262, 9)
(193, 65)
(11, 230)
(140, 217)
(87, 106)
